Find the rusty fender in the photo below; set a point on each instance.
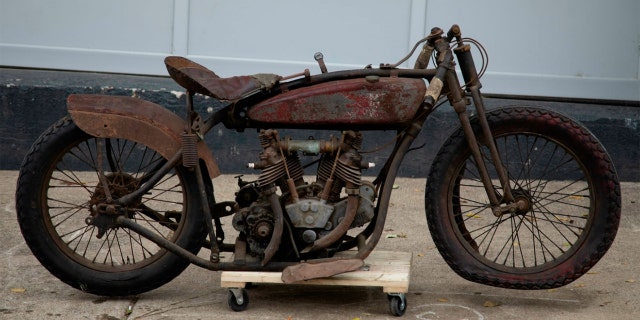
(136, 120)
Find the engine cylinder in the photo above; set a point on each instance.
(274, 163)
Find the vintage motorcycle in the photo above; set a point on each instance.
(117, 198)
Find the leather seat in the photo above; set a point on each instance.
(199, 79)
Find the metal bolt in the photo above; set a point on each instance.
(309, 219)
(309, 236)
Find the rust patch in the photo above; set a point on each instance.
(137, 120)
(388, 102)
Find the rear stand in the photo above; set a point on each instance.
(387, 269)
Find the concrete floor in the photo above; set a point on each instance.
(609, 291)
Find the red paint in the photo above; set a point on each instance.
(381, 103)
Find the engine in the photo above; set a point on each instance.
(312, 210)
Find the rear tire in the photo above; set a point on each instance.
(57, 190)
(559, 169)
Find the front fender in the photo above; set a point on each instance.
(136, 120)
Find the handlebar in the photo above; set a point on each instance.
(435, 41)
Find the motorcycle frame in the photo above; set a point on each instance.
(442, 80)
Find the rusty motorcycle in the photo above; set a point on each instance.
(117, 198)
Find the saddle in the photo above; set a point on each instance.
(199, 79)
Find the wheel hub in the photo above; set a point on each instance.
(103, 213)
(120, 184)
(523, 201)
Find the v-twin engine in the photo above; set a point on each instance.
(338, 200)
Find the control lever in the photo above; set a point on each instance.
(320, 58)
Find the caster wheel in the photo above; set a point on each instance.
(238, 299)
(397, 304)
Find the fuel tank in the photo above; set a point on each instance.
(364, 103)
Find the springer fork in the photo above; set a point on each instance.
(446, 81)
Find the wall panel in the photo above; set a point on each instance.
(571, 48)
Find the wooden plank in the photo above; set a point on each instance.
(306, 271)
(387, 269)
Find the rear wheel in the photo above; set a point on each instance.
(564, 178)
(58, 196)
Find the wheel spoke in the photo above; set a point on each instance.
(564, 204)
(551, 226)
(129, 164)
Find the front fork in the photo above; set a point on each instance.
(450, 84)
(507, 203)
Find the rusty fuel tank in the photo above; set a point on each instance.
(364, 103)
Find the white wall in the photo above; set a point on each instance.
(566, 48)
(573, 48)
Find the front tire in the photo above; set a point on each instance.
(563, 174)
(58, 190)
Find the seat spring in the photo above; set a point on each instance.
(189, 150)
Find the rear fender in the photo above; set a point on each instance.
(136, 120)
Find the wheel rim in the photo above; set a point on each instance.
(557, 198)
(72, 189)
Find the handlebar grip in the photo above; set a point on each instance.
(423, 59)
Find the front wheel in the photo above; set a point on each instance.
(563, 175)
(59, 190)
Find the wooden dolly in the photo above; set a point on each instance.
(387, 269)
